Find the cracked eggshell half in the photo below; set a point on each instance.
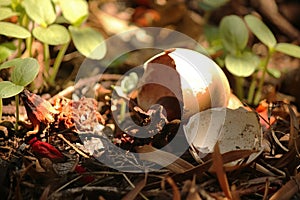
(195, 80)
(237, 129)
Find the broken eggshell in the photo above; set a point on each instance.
(184, 81)
(240, 130)
(193, 88)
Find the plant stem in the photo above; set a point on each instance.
(252, 89)
(19, 48)
(262, 78)
(57, 62)
(239, 83)
(47, 57)
(1, 104)
(17, 99)
(29, 45)
(206, 16)
(122, 111)
(25, 23)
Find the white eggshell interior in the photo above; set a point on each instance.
(198, 74)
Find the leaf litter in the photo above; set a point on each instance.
(59, 159)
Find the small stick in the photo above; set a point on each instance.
(83, 82)
(71, 145)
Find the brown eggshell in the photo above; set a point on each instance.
(192, 78)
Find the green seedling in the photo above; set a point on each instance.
(231, 38)
(239, 60)
(128, 84)
(23, 73)
(49, 30)
(264, 34)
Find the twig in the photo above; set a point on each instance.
(83, 82)
(276, 140)
(68, 183)
(73, 146)
(77, 190)
(137, 188)
(266, 190)
(11, 110)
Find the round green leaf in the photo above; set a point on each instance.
(234, 33)
(261, 31)
(6, 13)
(10, 63)
(212, 4)
(129, 82)
(243, 65)
(274, 72)
(40, 11)
(6, 49)
(13, 30)
(75, 11)
(25, 70)
(9, 89)
(54, 34)
(211, 33)
(289, 49)
(89, 42)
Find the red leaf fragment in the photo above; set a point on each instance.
(44, 149)
(86, 179)
(264, 118)
(145, 17)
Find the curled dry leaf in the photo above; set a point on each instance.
(65, 114)
(82, 115)
(39, 111)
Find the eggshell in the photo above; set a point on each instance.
(193, 79)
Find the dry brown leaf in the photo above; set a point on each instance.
(176, 193)
(237, 155)
(266, 190)
(45, 193)
(202, 168)
(39, 111)
(288, 190)
(193, 193)
(294, 141)
(198, 171)
(136, 190)
(219, 169)
(294, 128)
(235, 194)
(163, 158)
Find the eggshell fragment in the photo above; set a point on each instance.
(234, 129)
(189, 76)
